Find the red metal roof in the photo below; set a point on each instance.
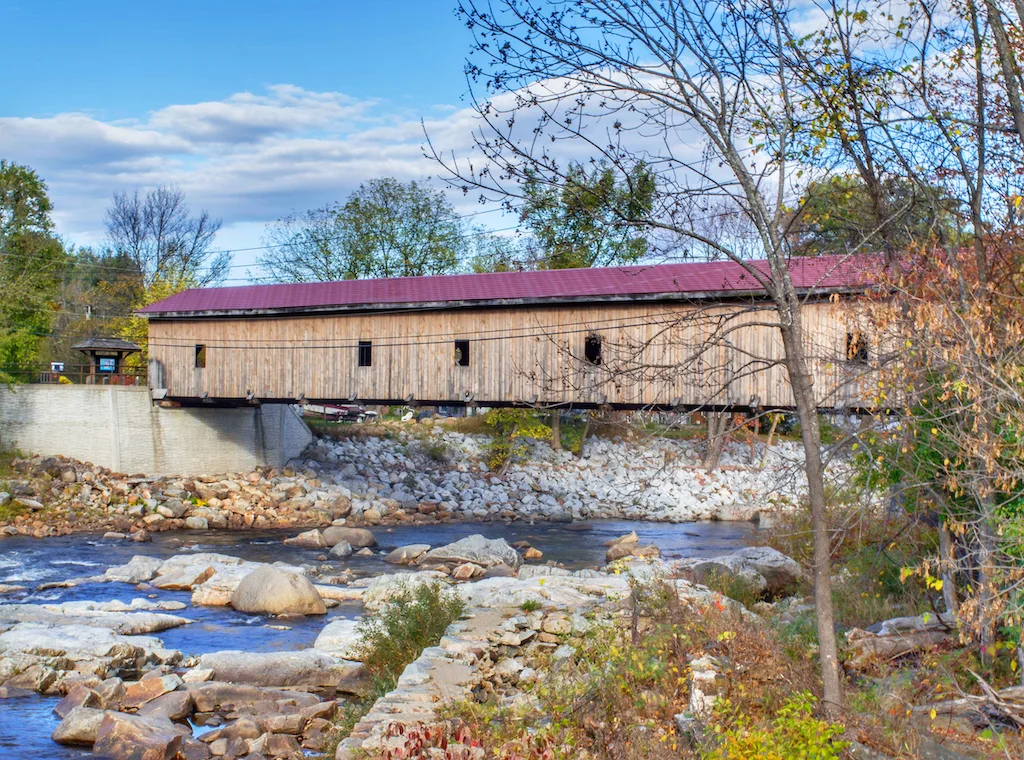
(826, 273)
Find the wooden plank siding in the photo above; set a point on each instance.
(687, 354)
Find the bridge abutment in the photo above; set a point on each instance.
(119, 427)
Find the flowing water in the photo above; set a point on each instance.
(26, 724)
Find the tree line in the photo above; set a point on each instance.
(59, 293)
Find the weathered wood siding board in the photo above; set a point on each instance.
(651, 354)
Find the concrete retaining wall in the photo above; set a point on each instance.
(119, 428)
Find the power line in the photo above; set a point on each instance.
(581, 326)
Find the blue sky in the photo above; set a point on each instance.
(255, 109)
(119, 59)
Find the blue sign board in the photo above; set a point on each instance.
(107, 365)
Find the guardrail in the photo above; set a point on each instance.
(73, 374)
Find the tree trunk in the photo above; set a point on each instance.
(776, 416)
(1007, 64)
(802, 384)
(583, 435)
(986, 592)
(947, 562)
(717, 425)
(556, 430)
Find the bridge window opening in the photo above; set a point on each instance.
(856, 348)
(365, 353)
(592, 349)
(462, 353)
(200, 356)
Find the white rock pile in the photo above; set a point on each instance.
(656, 479)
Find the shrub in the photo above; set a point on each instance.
(64, 381)
(434, 447)
(394, 637)
(412, 621)
(11, 510)
(510, 427)
(793, 732)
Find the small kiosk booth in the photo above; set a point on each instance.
(106, 357)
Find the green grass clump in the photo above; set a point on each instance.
(734, 587)
(413, 620)
(11, 510)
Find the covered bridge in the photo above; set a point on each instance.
(691, 335)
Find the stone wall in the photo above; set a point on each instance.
(119, 428)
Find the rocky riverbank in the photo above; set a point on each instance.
(418, 476)
(127, 694)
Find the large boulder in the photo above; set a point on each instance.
(408, 554)
(129, 737)
(140, 568)
(485, 552)
(79, 727)
(382, 589)
(341, 550)
(711, 572)
(271, 591)
(781, 572)
(311, 539)
(340, 638)
(305, 669)
(764, 569)
(357, 537)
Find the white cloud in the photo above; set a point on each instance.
(252, 158)
(249, 159)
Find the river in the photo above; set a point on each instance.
(26, 724)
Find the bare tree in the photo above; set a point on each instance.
(164, 241)
(307, 247)
(699, 92)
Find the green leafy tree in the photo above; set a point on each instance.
(98, 291)
(836, 215)
(386, 228)
(590, 219)
(32, 264)
(307, 247)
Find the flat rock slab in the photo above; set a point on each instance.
(403, 555)
(305, 669)
(139, 569)
(79, 613)
(140, 692)
(220, 696)
(81, 642)
(175, 705)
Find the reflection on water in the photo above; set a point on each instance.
(26, 724)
